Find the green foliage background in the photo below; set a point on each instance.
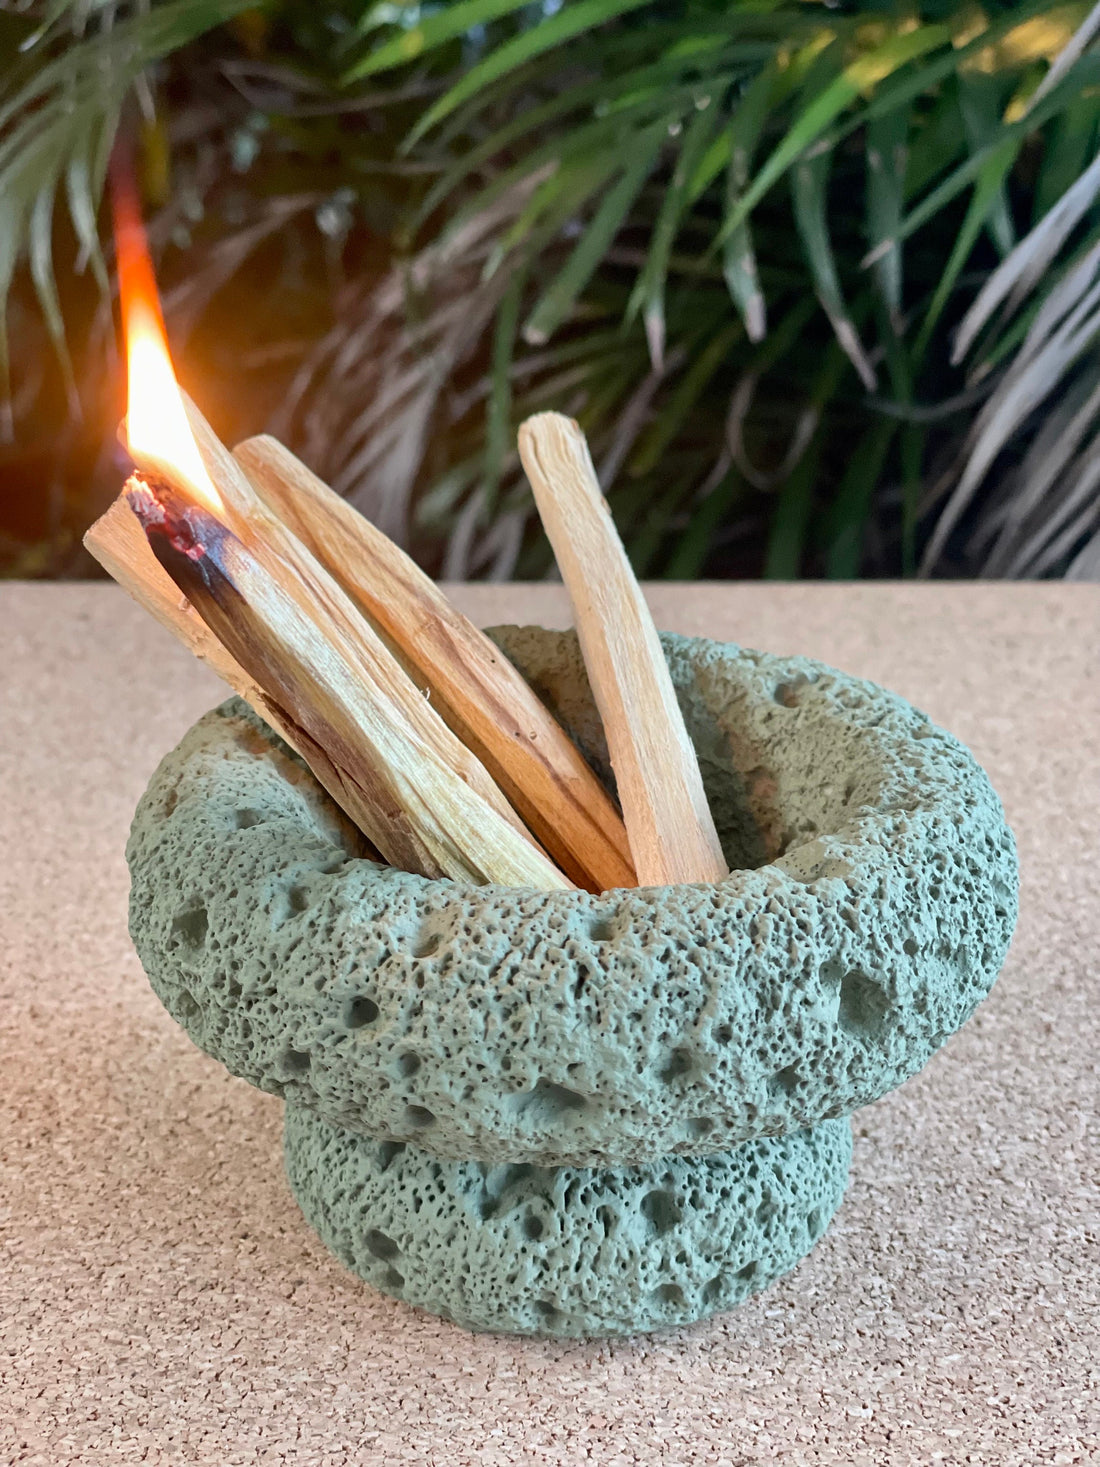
(821, 281)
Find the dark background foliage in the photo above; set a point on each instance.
(735, 240)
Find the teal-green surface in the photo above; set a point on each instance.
(562, 1250)
(869, 911)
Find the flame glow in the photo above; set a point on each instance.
(158, 434)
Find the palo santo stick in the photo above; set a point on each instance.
(482, 697)
(411, 802)
(118, 542)
(309, 583)
(672, 834)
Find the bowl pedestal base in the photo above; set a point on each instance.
(567, 1251)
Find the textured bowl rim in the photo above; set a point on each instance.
(889, 929)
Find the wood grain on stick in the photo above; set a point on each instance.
(481, 696)
(409, 800)
(119, 543)
(672, 834)
(323, 599)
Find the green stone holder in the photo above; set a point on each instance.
(557, 1113)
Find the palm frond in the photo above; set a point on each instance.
(738, 256)
(803, 86)
(887, 163)
(810, 126)
(708, 230)
(648, 295)
(1063, 331)
(58, 114)
(1020, 271)
(569, 22)
(556, 303)
(809, 180)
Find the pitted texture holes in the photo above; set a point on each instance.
(360, 1011)
(568, 1251)
(561, 1028)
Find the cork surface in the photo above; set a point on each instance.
(162, 1299)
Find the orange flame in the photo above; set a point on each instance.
(158, 434)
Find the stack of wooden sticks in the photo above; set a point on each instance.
(411, 718)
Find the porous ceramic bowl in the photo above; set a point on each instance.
(871, 900)
(568, 1250)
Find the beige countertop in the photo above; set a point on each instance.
(162, 1300)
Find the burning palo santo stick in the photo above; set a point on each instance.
(280, 551)
(410, 802)
(359, 721)
(480, 695)
(672, 834)
(327, 683)
(370, 739)
(119, 544)
(273, 543)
